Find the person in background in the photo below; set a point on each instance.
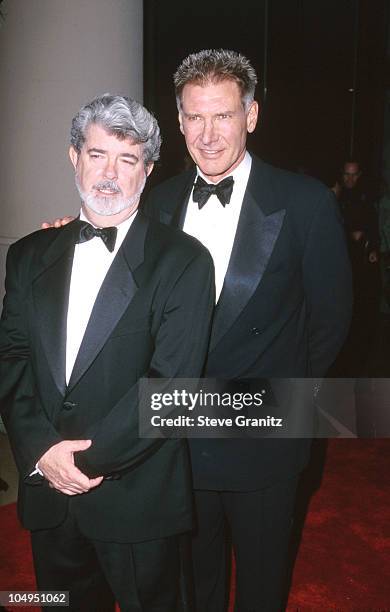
(361, 228)
(358, 211)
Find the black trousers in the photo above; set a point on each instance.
(260, 524)
(141, 577)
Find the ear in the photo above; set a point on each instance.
(180, 122)
(74, 156)
(252, 116)
(149, 168)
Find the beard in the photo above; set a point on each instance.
(108, 205)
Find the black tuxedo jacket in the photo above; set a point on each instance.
(284, 310)
(151, 318)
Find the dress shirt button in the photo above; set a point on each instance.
(255, 331)
(69, 405)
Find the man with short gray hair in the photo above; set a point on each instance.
(91, 308)
(284, 301)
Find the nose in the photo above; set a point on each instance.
(110, 170)
(209, 133)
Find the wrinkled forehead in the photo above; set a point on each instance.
(211, 97)
(97, 136)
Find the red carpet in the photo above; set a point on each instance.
(344, 558)
(343, 562)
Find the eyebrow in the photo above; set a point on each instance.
(222, 112)
(103, 151)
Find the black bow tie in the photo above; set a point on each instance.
(202, 191)
(107, 234)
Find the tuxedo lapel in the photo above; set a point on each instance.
(117, 291)
(51, 296)
(255, 239)
(174, 211)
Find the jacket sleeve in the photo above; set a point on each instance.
(180, 350)
(328, 286)
(30, 432)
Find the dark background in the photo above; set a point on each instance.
(322, 62)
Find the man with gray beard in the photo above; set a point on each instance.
(91, 308)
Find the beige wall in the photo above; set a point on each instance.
(55, 55)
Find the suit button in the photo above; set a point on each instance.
(69, 405)
(255, 331)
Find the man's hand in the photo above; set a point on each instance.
(57, 466)
(57, 222)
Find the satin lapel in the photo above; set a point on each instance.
(253, 245)
(174, 214)
(51, 296)
(117, 291)
(181, 211)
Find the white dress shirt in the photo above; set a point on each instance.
(91, 263)
(215, 225)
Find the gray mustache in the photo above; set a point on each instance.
(111, 185)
